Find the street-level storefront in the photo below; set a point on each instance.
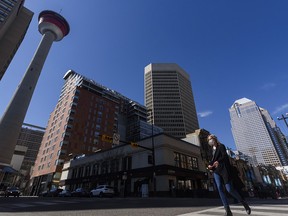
(170, 181)
(178, 170)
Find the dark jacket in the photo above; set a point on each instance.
(238, 183)
(224, 167)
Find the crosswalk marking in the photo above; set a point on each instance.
(37, 203)
(202, 213)
(278, 207)
(238, 210)
(43, 203)
(22, 205)
(62, 201)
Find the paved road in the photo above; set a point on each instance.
(263, 210)
(32, 206)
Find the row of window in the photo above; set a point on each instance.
(53, 136)
(5, 9)
(186, 161)
(109, 166)
(112, 166)
(56, 163)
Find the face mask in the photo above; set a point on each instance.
(211, 142)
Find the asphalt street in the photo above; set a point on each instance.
(44, 206)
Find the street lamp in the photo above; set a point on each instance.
(284, 118)
(153, 150)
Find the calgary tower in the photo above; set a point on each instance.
(53, 27)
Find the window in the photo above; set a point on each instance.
(87, 170)
(185, 161)
(95, 169)
(104, 167)
(127, 163)
(74, 173)
(80, 172)
(177, 159)
(194, 163)
(114, 166)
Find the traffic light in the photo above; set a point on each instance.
(106, 138)
(133, 144)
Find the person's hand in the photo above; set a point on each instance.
(215, 164)
(210, 167)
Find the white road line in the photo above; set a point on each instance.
(34, 204)
(262, 213)
(21, 205)
(201, 212)
(239, 210)
(62, 201)
(43, 203)
(267, 207)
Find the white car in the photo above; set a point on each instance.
(103, 190)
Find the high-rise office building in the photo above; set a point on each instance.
(169, 99)
(256, 134)
(23, 159)
(14, 22)
(31, 137)
(85, 111)
(29, 141)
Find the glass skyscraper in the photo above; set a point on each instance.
(256, 134)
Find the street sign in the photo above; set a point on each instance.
(116, 138)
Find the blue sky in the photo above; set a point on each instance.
(231, 49)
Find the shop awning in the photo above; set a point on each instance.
(7, 169)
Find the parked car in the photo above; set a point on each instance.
(2, 192)
(12, 191)
(103, 190)
(65, 193)
(43, 193)
(54, 192)
(80, 192)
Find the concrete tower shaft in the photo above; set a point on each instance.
(53, 27)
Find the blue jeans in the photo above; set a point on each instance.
(229, 187)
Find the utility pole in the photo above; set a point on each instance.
(284, 118)
(153, 155)
(153, 151)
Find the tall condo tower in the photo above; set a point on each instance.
(256, 134)
(169, 97)
(85, 111)
(14, 22)
(53, 27)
